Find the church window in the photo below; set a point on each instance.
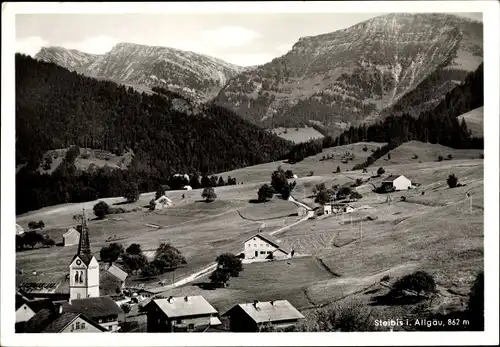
(76, 277)
(81, 276)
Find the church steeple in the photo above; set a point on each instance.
(84, 244)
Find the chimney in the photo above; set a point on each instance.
(255, 302)
(186, 298)
(170, 299)
(272, 302)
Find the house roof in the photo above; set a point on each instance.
(117, 272)
(269, 311)
(97, 307)
(70, 231)
(39, 287)
(268, 238)
(180, 307)
(391, 178)
(163, 197)
(50, 321)
(19, 229)
(109, 284)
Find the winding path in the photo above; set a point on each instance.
(212, 266)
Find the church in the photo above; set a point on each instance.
(84, 298)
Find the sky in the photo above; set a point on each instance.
(243, 39)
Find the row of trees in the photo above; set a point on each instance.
(31, 239)
(166, 258)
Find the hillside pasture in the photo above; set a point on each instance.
(405, 154)
(262, 172)
(475, 121)
(298, 135)
(276, 280)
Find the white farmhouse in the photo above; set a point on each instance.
(262, 246)
(397, 182)
(327, 209)
(162, 202)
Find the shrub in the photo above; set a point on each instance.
(365, 148)
(450, 157)
(452, 181)
(380, 171)
(385, 278)
(209, 194)
(338, 169)
(355, 195)
(311, 173)
(417, 281)
(48, 242)
(440, 158)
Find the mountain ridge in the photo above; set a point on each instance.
(196, 76)
(351, 75)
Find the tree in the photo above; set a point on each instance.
(418, 281)
(41, 224)
(19, 242)
(338, 169)
(152, 204)
(101, 209)
(323, 197)
(228, 265)
(388, 156)
(289, 174)
(125, 308)
(452, 181)
(205, 181)
(134, 262)
(31, 238)
(111, 253)
(48, 242)
(167, 257)
(450, 157)
(36, 225)
(221, 182)
(159, 192)
(134, 248)
(380, 171)
(278, 179)
(149, 271)
(475, 305)
(209, 194)
(131, 192)
(265, 193)
(440, 158)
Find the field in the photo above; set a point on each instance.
(436, 229)
(475, 121)
(314, 164)
(298, 135)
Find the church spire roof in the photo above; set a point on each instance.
(84, 245)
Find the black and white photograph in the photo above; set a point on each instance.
(186, 170)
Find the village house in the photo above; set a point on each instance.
(45, 290)
(56, 320)
(71, 237)
(26, 309)
(396, 182)
(249, 317)
(327, 209)
(111, 280)
(102, 310)
(162, 202)
(262, 246)
(181, 314)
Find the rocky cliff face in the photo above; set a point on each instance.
(196, 76)
(356, 74)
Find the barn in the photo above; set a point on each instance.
(71, 237)
(397, 182)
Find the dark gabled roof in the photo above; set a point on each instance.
(94, 308)
(39, 321)
(38, 305)
(60, 322)
(268, 238)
